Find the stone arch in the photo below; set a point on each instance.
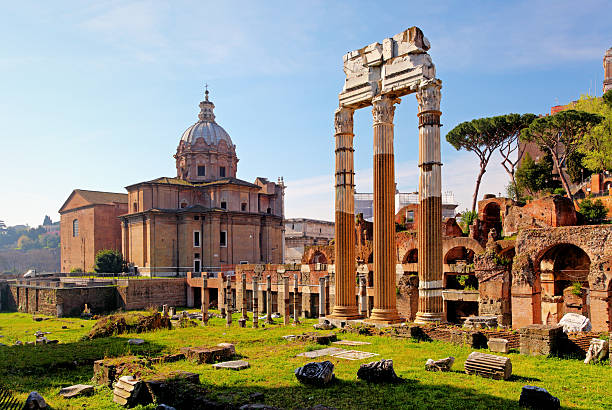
(411, 256)
(465, 242)
(318, 257)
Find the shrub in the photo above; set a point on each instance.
(109, 261)
(593, 212)
(76, 270)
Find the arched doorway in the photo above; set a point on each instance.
(460, 293)
(412, 256)
(563, 273)
(318, 257)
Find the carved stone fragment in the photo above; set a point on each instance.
(316, 373)
(380, 371)
(442, 365)
(598, 351)
(538, 398)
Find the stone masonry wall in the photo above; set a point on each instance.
(142, 293)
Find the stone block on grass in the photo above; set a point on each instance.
(76, 391)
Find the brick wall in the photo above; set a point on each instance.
(142, 293)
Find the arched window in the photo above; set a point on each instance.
(75, 228)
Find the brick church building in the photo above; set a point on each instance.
(204, 219)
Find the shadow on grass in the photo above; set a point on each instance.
(44, 359)
(517, 378)
(356, 394)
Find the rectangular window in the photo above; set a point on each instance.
(196, 265)
(201, 170)
(75, 228)
(243, 206)
(196, 238)
(410, 216)
(223, 239)
(244, 262)
(196, 218)
(222, 171)
(224, 205)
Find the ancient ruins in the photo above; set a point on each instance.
(378, 75)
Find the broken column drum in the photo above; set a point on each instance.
(378, 75)
(430, 205)
(204, 298)
(385, 307)
(244, 296)
(269, 299)
(346, 306)
(255, 302)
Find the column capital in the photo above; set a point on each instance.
(343, 120)
(428, 96)
(383, 109)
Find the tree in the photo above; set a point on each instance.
(561, 134)
(607, 98)
(593, 212)
(25, 243)
(482, 136)
(109, 261)
(467, 218)
(596, 146)
(533, 176)
(511, 126)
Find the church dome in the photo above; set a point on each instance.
(206, 127)
(206, 152)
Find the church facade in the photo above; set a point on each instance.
(204, 218)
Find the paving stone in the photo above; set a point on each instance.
(351, 343)
(328, 351)
(76, 390)
(232, 365)
(354, 355)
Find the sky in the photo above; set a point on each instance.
(96, 95)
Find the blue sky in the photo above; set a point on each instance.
(95, 95)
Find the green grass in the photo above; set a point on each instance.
(46, 369)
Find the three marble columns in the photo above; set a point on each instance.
(430, 193)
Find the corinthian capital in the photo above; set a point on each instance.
(429, 95)
(343, 121)
(383, 109)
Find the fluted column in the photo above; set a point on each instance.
(430, 204)
(346, 304)
(385, 309)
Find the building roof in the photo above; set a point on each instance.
(178, 181)
(96, 198)
(206, 127)
(298, 220)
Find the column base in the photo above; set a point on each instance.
(345, 313)
(384, 316)
(424, 318)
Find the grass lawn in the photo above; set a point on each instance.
(46, 369)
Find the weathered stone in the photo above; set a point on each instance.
(204, 354)
(380, 371)
(319, 338)
(127, 391)
(316, 373)
(478, 322)
(35, 401)
(498, 345)
(164, 407)
(544, 340)
(325, 325)
(488, 365)
(442, 365)
(137, 342)
(230, 346)
(598, 351)
(321, 352)
(573, 322)
(354, 355)
(475, 340)
(232, 365)
(538, 398)
(76, 390)
(350, 343)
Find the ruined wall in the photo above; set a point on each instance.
(552, 211)
(531, 246)
(142, 293)
(494, 283)
(408, 296)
